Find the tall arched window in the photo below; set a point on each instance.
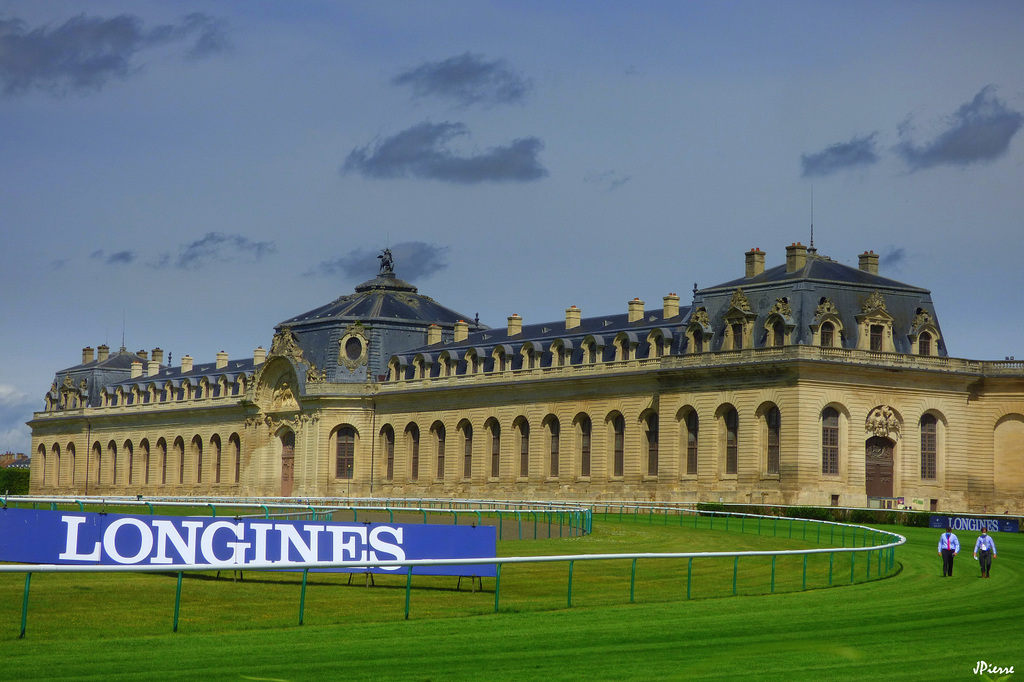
(97, 456)
(387, 435)
(56, 463)
(495, 431)
(778, 334)
(731, 441)
(413, 432)
(924, 344)
(554, 430)
(773, 422)
(161, 447)
(439, 435)
(830, 441)
(144, 445)
(619, 445)
(42, 464)
(71, 461)
(179, 446)
(345, 455)
(217, 460)
(877, 331)
(112, 453)
(235, 443)
(692, 429)
(467, 451)
(827, 334)
(698, 341)
(524, 449)
(651, 428)
(586, 433)
(929, 446)
(131, 460)
(197, 455)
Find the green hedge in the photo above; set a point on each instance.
(837, 514)
(14, 481)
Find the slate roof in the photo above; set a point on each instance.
(820, 269)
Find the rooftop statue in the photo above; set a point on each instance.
(387, 263)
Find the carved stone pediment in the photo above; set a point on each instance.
(782, 308)
(875, 303)
(826, 308)
(921, 320)
(700, 316)
(884, 422)
(287, 344)
(740, 301)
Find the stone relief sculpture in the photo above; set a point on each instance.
(287, 344)
(740, 300)
(875, 302)
(826, 307)
(782, 307)
(882, 421)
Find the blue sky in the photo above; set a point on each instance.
(189, 174)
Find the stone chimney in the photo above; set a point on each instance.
(153, 368)
(796, 257)
(136, 369)
(87, 354)
(103, 351)
(222, 360)
(572, 317)
(433, 335)
(461, 331)
(670, 306)
(259, 356)
(158, 355)
(636, 310)
(755, 263)
(869, 262)
(143, 355)
(515, 324)
(186, 364)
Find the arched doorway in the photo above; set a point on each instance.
(878, 467)
(287, 462)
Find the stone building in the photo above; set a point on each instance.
(810, 382)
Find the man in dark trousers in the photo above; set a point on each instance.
(984, 550)
(949, 547)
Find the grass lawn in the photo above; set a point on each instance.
(915, 625)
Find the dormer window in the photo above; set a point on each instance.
(737, 335)
(827, 335)
(924, 344)
(877, 335)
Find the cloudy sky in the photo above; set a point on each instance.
(188, 174)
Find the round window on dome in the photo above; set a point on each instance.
(353, 348)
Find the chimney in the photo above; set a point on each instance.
(796, 257)
(259, 356)
(515, 324)
(433, 335)
(143, 355)
(136, 369)
(222, 360)
(636, 310)
(572, 317)
(87, 355)
(461, 331)
(755, 263)
(153, 369)
(157, 355)
(670, 306)
(104, 352)
(869, 262)
(186, 364)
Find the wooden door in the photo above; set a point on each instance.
(878, 466)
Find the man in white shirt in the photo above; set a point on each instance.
(949, 547)
(984, 551)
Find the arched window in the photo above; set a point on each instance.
(524, 448)
(731, 441)
(197, 455)
(651, 428)
(42, 464)
(778, 334)
(692, 429)
(71, 462)
(235, 443)
(345, 454)
(877, 334)
(112, 453)
(56, 460)
(144, 446)
(773, 423)
(97, 456)
(131, 460)
(179, 446)
(586, 433)
(929, 446)
(216, 445)
(619, 444)
(737, 335)
(161, 447)
(439, 435)
(830, 441)
(924, 344)
(467, 451)
(495, 431)
(827, 334)
(387, 436)
(554, 432)
(413, 433)
(698, 341)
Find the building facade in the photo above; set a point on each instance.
(810, 382)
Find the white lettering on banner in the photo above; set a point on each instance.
(165, 531)
(959, 523)
(110, 541)
(983, 667)
(378, 544)
(195, 542)
(70, 552)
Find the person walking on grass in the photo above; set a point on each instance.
(949, 547)
(984, 552)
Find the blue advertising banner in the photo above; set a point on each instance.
(57, 537)
(969, 523)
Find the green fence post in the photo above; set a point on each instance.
(24, 606)
(831, 558)
(519, 520)
(773, 574)
(177, 602)
(775, 527)
(497, 586)
(408, 590)
(743, 522)
(727, 516)
(735, 570)
(804, 586)
(868, 576)
(689, 575)
(534, 525)
(853, 561)
(569, 598)
(302, 596)
(632, 581)
(791, 528)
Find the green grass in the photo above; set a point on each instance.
(915, 625)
